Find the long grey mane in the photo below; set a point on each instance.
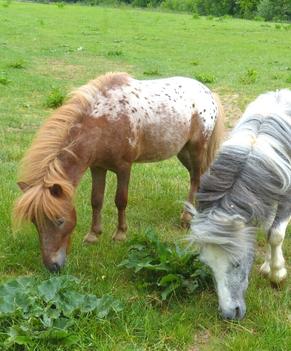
(251, 173)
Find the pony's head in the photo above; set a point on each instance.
(49, 207)
(231, 278)
(47, 198)
(226, 246)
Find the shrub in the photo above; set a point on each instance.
(17, 64)
(152, 72)
(276, 76)
(205, 77)
(194, 63)
(140, 3)
(278, 26)
(144, 3)
(113, 53)
(60, 5)
(3, 78)
(55, 98)
(259, 18)
(249, 77)
(165, 268)
(215, 8)
(7, 3)
(177, 5)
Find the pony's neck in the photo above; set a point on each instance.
(73, 168)
(75, 164)
(82, 153)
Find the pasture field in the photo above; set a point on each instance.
(46, 47)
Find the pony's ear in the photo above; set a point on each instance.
(56, 190)
(23, 186)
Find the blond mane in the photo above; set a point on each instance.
(41, 168)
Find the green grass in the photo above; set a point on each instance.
(62, 48)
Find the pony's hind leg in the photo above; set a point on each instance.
(274, 266)
(121, 196)
(97, 196)
(192, 163)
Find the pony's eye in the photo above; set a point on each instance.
(60, 221)
(236, 264)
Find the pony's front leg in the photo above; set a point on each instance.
(97, 196)
(265, 267)
(121, 196)
(274, 265)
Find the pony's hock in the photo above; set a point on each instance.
(108, 124)
(248, 184)
(185, 219)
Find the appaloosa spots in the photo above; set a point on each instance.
(158, 107)
(161, 101)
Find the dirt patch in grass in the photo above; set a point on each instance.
(233, 112)
(91, 68)
(26, 128)
(201, 339)
(58, 69)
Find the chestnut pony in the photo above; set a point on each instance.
(108, 124)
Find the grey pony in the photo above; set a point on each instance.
(249, 184)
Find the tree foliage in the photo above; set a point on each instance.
(275, 9)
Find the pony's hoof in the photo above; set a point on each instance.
(185, 218)
(90, 238)
(119, 235)
(278, 277)
(265, 269)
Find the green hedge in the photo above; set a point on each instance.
(276, 10)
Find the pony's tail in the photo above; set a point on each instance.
(216, 137)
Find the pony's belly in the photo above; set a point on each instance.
(160, 145)
(157, 155)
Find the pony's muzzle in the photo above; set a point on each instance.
(56, 261)
(236, 313)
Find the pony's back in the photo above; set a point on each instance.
(253, 168)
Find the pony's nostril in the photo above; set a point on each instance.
(238, 313)
(54, 267)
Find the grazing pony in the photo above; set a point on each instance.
(108, 124)
(248, 184)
